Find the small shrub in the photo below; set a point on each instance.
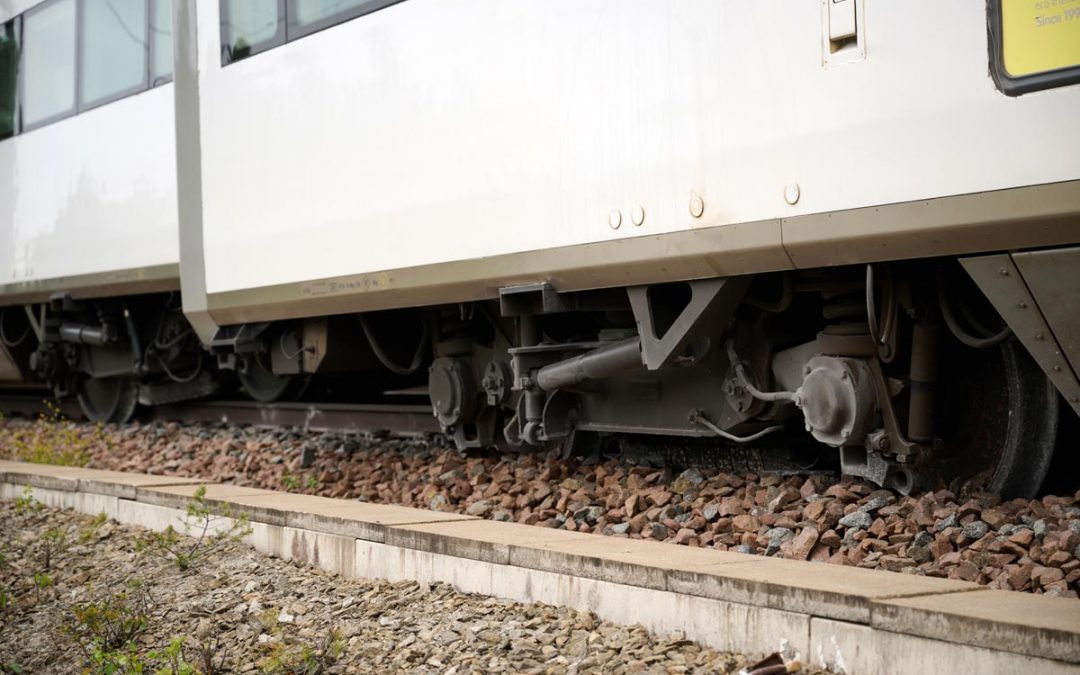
(27, 503)
(90, 530)
(292, 658)
(53, 439)
(200, 527)
(170, 660)
(106, 630)
(53, 543)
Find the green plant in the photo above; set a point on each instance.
(42, 582)
(89, 531)
(27, 503)
(204, 536)
(290, 481)
(106, 630)
(312, 483)
(171, 659)
(53, 439)
(284, 657)
(53, 543)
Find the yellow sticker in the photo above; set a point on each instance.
(1040, 35)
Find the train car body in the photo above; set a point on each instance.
(88, 163)
(850, 224)
(88, 216)
(432, 152)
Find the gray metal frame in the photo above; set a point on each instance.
(143, 85)
(277, 40)
(74, 110)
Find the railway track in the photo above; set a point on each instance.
(399, 418)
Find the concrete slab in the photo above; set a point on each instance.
(1022, 623)
(125, 485)
(238, 499)
(319, 514)
(854, 648)
(831, 591)
(83, 502)
(487, 540)
(43, 475)
(633, 562)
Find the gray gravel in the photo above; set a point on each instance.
(261, 614)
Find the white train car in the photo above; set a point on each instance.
(628, 218)
(87, 182)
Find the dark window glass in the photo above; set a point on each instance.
(114, 49)
(48, 62)
(9, 71)
(161, 67)
(251, 26)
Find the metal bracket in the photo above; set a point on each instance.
(999, 279)
(708, 309)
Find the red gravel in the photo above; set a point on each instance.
(1019, 544)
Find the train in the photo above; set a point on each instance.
(847, 231)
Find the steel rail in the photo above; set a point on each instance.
(396, 418)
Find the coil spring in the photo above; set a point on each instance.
(847, 314)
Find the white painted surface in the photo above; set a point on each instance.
(434, 131)
(91, 193)
(10, 8)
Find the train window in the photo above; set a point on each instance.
(9, 70)
(161, 66)
(250, 26)
(308, 16)
(48, 63)
(114, 50)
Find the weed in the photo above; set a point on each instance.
(303, 659)
(90, 530)
(290, 481)
(42, 582)
(53, 543)
(27, 503)
(312, 483)
(53, 439)
(171, 659)
(106, 630)
(201, 526)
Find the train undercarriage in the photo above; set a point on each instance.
(901, 373)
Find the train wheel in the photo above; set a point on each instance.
(1000, 424)
(264, 385)
(108, 399)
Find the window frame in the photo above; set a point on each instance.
(152, 52)
(289, 29)
(294, 31)
(143, 85)
(278, 39)
(16, 113)
(74, 110)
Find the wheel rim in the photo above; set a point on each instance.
(107, 400)
(263, 385)
(998, 420)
